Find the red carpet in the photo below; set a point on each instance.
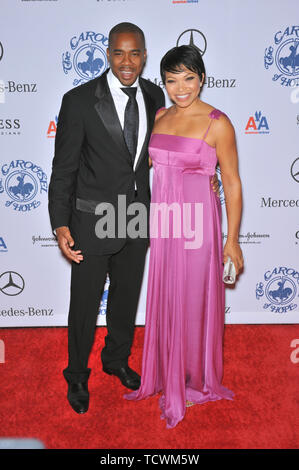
(258, 368)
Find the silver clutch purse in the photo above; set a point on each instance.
(229, 272)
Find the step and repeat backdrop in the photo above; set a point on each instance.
(251, 53)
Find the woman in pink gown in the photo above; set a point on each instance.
(182, 355)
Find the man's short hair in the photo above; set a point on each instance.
(126, 28)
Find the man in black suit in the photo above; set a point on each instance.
(101, 153)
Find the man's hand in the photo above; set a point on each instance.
(66, 242)
(215, 184)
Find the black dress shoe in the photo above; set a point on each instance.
(127, 376)
(78, 397)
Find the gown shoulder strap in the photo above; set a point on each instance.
(215, 114)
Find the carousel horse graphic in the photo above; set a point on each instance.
(21, 190)
(282, 293)
(292, 60)
(91, 65)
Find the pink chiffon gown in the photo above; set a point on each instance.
(182, 354)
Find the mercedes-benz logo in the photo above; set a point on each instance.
(193, 37)
(11, 283)
(295, 170)
(1, 50)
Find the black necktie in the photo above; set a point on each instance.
(131, 123)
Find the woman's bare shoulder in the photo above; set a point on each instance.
(223, 122)
(161, 113)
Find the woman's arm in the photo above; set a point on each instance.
(228, 160)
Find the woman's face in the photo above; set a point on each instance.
(183, 87)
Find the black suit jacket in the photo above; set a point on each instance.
(92, 163)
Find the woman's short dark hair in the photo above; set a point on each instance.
(189, 56)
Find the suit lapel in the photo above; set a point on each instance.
(150, 115)
(106, 110)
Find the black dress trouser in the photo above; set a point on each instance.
(125, 269)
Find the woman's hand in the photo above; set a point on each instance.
(233, 250)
